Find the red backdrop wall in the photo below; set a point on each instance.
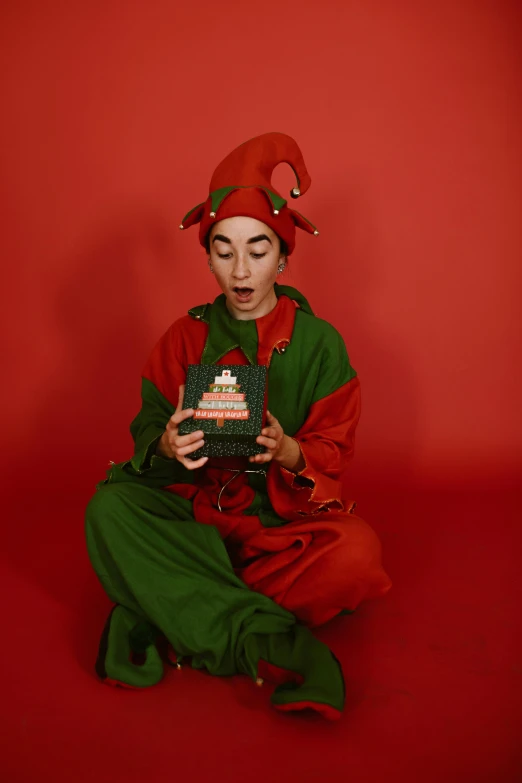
(409, 116)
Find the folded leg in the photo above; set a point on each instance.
(166, 572)
(153, 559)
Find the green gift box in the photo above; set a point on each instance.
(228, 402)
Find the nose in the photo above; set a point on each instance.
(241, 269)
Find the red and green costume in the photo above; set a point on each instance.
(237, 589)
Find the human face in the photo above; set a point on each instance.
(245, 254)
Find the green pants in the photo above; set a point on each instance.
(155, 560)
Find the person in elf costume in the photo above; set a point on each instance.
(231, 562)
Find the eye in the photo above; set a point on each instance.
(224, 255)
(258, 255)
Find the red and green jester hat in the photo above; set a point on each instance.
(242, 185)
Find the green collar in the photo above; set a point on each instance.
(226, 333)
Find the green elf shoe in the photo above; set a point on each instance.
(307, 674)
(127, 655)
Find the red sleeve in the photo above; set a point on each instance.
(181, 345)
(326, 440)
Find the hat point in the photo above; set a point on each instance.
(212, 214)
(316, 233)
(276, 212)
(181, 227)
(295, 193)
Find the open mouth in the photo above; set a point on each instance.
(243, 293)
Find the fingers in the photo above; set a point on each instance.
(260, 458)
(184, 450)
(274, 429)
(271, 438)
(181, 445)
(180, 441)
(268, 443)
(192, 464)
(180, 398)
(271, 432)
(179, 416)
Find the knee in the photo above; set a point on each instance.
(361, 548)
(103, 505)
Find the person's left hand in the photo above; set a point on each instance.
(272, 438)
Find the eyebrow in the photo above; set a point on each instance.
(259, 238)
(251, 241)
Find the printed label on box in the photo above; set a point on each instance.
(223, 401)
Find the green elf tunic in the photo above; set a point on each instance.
(237, 589)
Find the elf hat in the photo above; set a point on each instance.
(241, 185)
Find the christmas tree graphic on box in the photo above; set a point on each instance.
(223, 400)
(228, 404)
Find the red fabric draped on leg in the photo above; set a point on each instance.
(316, 568)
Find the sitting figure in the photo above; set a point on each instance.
(231, 561)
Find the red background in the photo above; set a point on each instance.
(409, 115)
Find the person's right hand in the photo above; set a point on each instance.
(174, 446)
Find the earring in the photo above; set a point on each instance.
(210, 265)
(281, 268)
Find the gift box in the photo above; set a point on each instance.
(229, 407)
